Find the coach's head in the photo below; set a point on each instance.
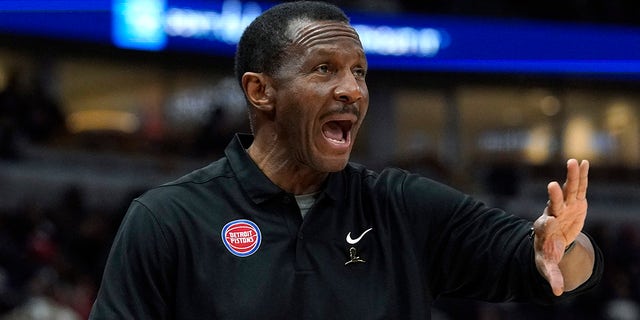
(302, 68)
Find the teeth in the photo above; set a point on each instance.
(338, 141)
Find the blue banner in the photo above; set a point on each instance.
(392, 42)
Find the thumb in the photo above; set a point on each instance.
(549, 260)
(554, 276)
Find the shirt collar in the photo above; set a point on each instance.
(335, 187)
(254, 182)
(258, 186)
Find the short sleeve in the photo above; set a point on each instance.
(136, 283)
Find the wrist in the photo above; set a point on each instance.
(569, 247)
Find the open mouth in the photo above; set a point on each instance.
(338, 131)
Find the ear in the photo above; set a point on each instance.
(258, 89)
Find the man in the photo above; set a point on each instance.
(284, 227)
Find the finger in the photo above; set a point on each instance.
(549, 250)
(555, 278)
(573, 181)
(556, 199)
(552, 255)
(583, 180)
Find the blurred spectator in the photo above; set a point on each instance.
(503, 181)
(214, 135)
(621, 306)
(28, 111)
(11, 105)
(43, 303)
(43, 119)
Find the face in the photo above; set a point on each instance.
(321, 96)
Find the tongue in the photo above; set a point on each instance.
(332, 131)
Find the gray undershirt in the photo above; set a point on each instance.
(305, 202)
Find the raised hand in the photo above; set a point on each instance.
(561, 223)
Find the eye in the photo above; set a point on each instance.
(323, 68)
(360, 73)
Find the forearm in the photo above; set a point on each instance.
(577, 264)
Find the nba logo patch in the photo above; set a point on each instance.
(241, 237)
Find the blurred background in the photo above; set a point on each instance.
(100, 100)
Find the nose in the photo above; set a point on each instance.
(349, 89)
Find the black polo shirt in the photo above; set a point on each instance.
(224, 242)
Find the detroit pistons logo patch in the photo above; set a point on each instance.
(241, 237)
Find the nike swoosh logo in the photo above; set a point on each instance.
(356, 240)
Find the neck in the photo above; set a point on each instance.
(282, 169)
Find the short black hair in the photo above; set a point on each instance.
(262, 45)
